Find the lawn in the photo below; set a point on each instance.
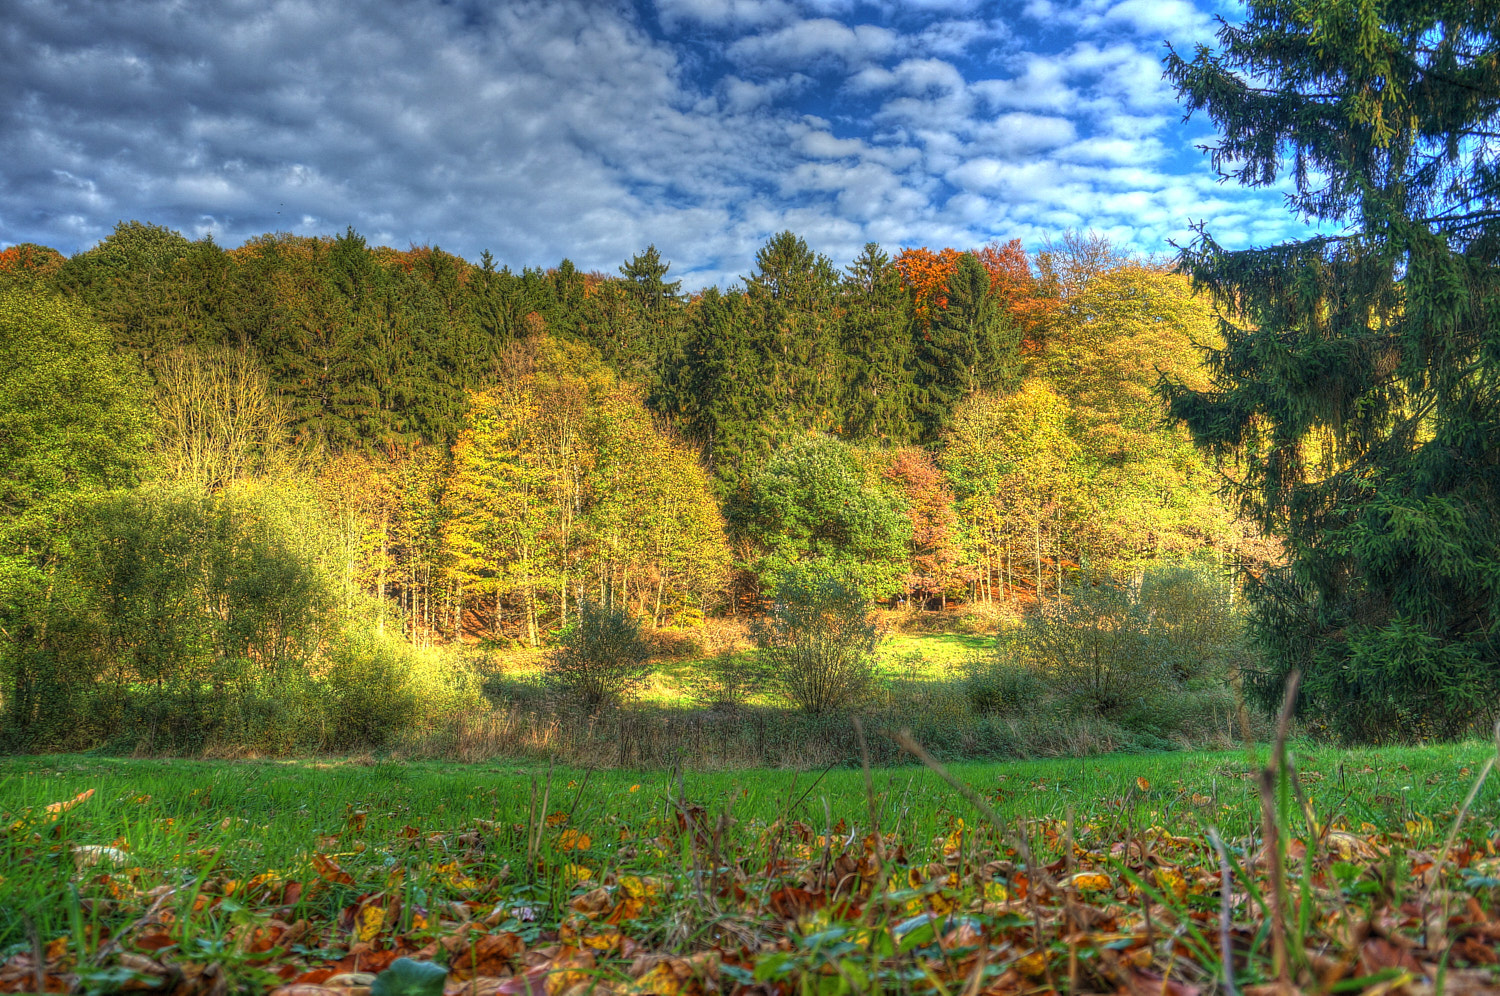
(256, 874)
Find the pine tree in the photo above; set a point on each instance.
(1358, 391)
(968, 344)
(877, 347)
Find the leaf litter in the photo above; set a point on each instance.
(693, 902)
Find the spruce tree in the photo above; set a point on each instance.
(968, 344)
(877, 346)
(1357, 396)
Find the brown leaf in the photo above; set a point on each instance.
(1377, 953)
(593, 902)
(1139, 983)
(329, 869)
(483, 954)
(483, 985)
(791, 902)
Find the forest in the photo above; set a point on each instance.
(254, 452)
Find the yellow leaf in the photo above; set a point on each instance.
(994, 892)
(1033, 965)
(659, 980)
(454, 873)
(637, 887)
(577, 873)
(573, 840)
(1091, 881)
(635, 788)
(942, 903)
(369, 922)
(56, 808)
(1142, 784)
(608, 939)
(1171, 881)
(955, 839)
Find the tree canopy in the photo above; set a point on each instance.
(1354, 397)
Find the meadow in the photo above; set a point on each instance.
(315, 876)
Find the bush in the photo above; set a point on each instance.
(602, 656)
(818, 641)
(1112, 651)
(1191, 611)
(1097, 651)
(999, 685)
(727, 679)
(367, 689)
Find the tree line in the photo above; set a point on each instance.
(492, 446)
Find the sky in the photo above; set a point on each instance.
(589, 129)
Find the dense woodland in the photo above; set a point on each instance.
(488, 447)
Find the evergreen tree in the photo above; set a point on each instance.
(792, 333)
(643, 274)
(877, 345)
(1358, 390)
(969, 344)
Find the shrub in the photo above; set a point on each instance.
(367, 689)
(818, 641)
(602, 655)
(996, 684)
(1190, 609)
(1112, 650)
(727, 679)
(1097, 651)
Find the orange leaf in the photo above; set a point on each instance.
(330, 870)
(56, 808)
(573, 840)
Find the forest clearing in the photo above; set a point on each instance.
(1035, 613)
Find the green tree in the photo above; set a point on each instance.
(1119, 328)
(1357, 394)
(813, 502)
(498, 506)
(73, 412)
(1021, 484)
(74, 423)
(877, 343)
(969, 344)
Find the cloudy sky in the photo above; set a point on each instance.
(588, 128)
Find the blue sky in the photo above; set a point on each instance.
(589, 129)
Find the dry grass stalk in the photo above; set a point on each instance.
(1271, 836)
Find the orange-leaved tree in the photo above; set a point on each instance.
(1021, 292)
(925, 274)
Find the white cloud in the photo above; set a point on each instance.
(723, 13)
(545, 128)
(1176, 20)
(803, 42)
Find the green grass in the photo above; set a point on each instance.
(194, 828)
(167, 812)
(936, 655)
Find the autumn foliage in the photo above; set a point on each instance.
(29, 260)
(925, 274)
(1021, 292)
